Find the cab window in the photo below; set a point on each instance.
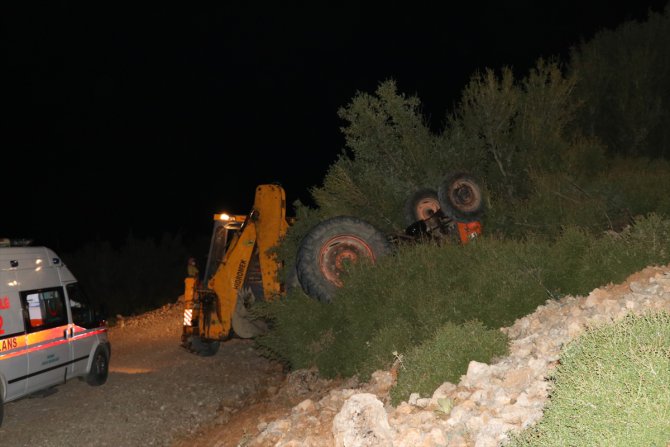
(82, 313)
(44, 308)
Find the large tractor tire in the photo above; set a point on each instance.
(421, 205)
(328, 247)
(461, 197)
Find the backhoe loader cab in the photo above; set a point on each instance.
(226, 228)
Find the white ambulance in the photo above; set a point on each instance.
(49, 332)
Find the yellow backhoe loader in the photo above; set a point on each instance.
(242, 267)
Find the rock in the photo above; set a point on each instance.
(362, 422)
(306, 406)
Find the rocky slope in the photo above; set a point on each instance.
(488, 402)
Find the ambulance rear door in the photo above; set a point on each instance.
(49, 354)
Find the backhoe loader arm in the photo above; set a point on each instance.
(271, 226)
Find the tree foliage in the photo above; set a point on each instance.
(508, 132)
(514, 128)
(390, 153)
(624, 81)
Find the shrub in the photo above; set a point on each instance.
(634, 186)
(396, 337)
(390, 154)
(302, 329)
(514, 127)
(624, 78)
(406, 297)
(445, 358)
(585, 262)
(612, 387)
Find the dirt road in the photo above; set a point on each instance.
(157, 394)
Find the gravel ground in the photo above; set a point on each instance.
(157, 393)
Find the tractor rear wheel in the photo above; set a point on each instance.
(328, 247)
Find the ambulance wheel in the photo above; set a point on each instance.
(1, 410)
(327, 249)
(99, 367)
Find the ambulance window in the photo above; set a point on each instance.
(45, 308)
(82, 313)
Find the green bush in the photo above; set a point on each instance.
(624, 80)
(406, 297)
(302, 329)
(419, 290)
(634, 186)
(396, 337)
(305, 219)
(607, 200)
(516, 135)
(445, 357)
(390, 153)
(556, 201)
(611, 388)
(514, 127)
(579, 262)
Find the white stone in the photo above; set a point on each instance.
(444, 390)
(305, 406)
(362, 422)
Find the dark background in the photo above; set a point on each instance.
(149, 119)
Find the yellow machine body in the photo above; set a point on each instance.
(241, 262)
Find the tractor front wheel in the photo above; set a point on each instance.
(421, 205)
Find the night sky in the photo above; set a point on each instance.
(152, 118)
